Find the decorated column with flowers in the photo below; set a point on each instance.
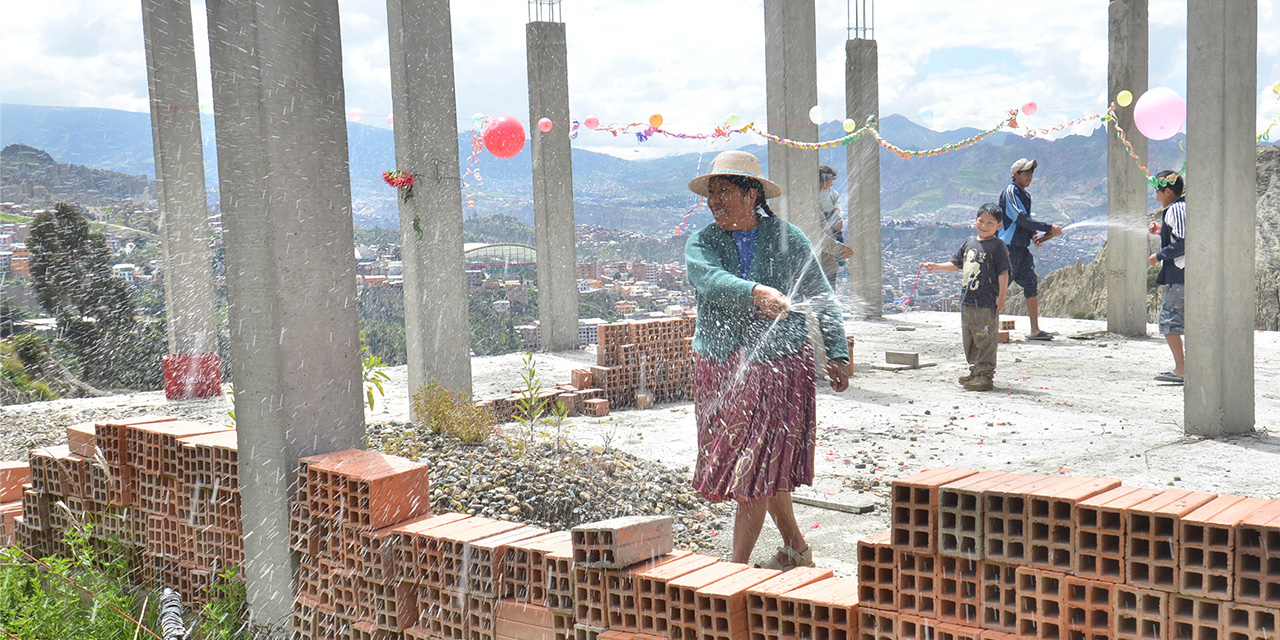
(425, 116)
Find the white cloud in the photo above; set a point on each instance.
(692, 61)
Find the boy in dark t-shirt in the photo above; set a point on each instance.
(984, 261)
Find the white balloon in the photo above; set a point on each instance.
(815, 114)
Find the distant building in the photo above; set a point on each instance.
(589, 330)
(502, 308)
(20, 261)
(475, 278)
(530, 336)
(6, 262)
(624, 306)
(124, 271)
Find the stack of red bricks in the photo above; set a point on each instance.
(165, 488)
(653, 357)
(996, 555)
(13, 475)
(577, 398)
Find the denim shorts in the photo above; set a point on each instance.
(1173, 309)
(1022, 270)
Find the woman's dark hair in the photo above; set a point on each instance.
(747, 182)
(825, 172)
(1176, 184)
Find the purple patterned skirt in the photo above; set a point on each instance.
(756, 425)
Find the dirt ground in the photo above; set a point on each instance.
(1080, 407)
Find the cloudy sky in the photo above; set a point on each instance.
(693, 61)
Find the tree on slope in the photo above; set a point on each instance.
(71, 276)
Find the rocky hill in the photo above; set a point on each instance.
(1080, 290)
(32, 177)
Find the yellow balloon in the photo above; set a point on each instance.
(850, 125)
(1124, 98)
(655, 121)
(1275, 88)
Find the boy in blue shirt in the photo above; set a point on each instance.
(984, 261)
(1018, 231)
(1171, 258)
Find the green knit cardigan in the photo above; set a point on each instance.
(727, 319)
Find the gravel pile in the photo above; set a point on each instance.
(23, 427)
(555, 488)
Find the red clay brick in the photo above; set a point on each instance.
(1245, 622)
(916, 627)
(1005, 517)
(82, 439)
(13, 474)
(1193, 618)
(621, 591)
(1257, 575)
(1207, 540)
(1152, 547)
(1090, 609)
(877, 572)
(959, 589)
(721, 606)
(651, 589)
(999, 602)
(949, 631)
(1041, 604)
(1051, 521)
(1141, 614)
(826, 609)
(764, 616)
(621, 542)
(916, 590)
(682, 598)
(914, 507)
(960, 513)
(876, 624)
(1101, 523)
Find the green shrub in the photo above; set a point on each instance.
(451, 413)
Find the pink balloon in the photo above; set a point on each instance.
(544, 125)
(591, 122)
(1029, 108)
(391, 120)
(1160, 113)
(503, 136)
(355, 115)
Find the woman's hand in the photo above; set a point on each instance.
(838, 373)
(770, 301)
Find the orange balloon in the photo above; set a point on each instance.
(655, 121)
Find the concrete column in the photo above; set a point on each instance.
(1127, 248)
(184, 216)
(1222, 69)
(437, 329)
(552, 186)
(862, 98)
(791, 88)
(286, 201)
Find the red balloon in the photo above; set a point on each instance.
(503, 136)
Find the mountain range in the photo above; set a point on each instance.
(647, 196)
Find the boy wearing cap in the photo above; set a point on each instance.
(1017, 231)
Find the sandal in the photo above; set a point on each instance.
(1169, 376)
(787, 558)
(1040, 335)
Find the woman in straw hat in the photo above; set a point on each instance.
(754, 384)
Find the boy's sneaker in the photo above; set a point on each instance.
(979, 383)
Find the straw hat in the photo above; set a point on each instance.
(734, 163)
